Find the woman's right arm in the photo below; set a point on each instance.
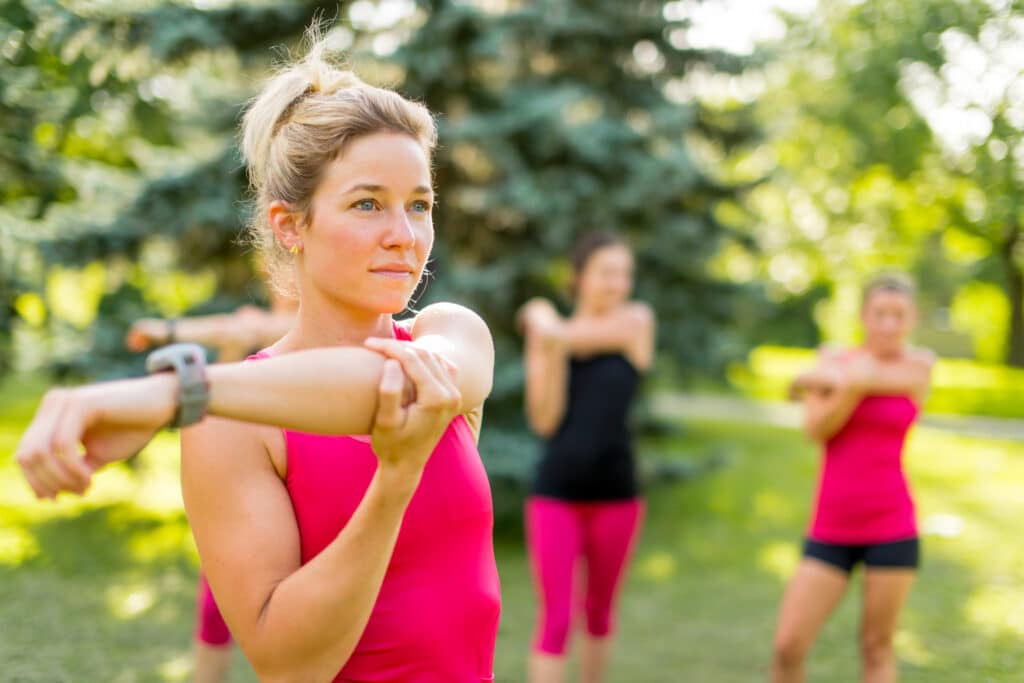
(233, 334)
(546, 361)
(325, 391)
(829, 398)
(301, 622)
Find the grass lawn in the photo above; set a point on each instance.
(101, 588)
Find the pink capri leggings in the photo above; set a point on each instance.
(210, 626)
(559, 533)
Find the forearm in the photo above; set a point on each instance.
(314, 618)
(896, 379)
(324, 391)
(270, 327)
(587, 337)
(546, 380)
(828, 415)
(208, 330)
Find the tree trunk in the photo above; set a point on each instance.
(1015, 292)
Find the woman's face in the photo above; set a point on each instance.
(370, 230)
(888, 317)
(607, 278)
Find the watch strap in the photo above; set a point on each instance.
(188, 361)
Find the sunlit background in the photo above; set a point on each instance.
(764, 157)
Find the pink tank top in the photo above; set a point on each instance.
(436, 617)
(863, 496)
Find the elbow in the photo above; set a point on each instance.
(269, 671)
(279, 670)
(544, 427)
(818, 431)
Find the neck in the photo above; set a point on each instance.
(585, 309)
(884, 354)
(320, 323)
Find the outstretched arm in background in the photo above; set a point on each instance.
(233, 334)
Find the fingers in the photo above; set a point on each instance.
(431, 374)
(390, 414)
(393, 348)
(65, 442)
(48, 451)
(136, 341)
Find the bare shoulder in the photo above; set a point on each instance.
(832, 351)
(218, 447)
(638, 313)
(921, 357)
(446, 317)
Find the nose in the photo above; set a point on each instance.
(399, 232)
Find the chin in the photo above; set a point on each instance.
(392, 306)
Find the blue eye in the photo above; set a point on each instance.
(421, 206)
(365, 205)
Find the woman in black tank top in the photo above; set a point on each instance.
(582, 374)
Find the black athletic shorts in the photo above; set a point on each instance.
(897, 554)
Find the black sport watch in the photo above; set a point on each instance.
(189, 362)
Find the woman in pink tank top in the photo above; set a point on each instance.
(337, 498)
(859, 404)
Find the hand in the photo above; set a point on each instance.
(538, 318)
(405, 434)
(146, 333)
(76, 431)
(825, 378)
(859, 370)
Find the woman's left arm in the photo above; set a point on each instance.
(910, 375)
(629, 330)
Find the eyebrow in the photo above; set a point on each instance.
(370, 187)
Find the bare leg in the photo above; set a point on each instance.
(885, 593)
(545, 668)
(813, 593)
(211, 663)
(594, 654)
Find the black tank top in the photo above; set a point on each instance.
(590, 457)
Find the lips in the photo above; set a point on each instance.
(395, 271)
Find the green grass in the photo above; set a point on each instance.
(101, 588)
(959, 386)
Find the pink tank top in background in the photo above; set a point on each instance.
(436, 617)
(863, 496)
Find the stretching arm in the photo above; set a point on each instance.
(232, 334)
(326, 391)
(826, 411)
(628, 330)
(546, 362)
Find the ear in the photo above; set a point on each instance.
(286, 222)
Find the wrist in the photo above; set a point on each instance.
(148, 402)
(397, 481)
(187, 362)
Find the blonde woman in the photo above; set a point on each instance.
(340, 508)
(859, 404)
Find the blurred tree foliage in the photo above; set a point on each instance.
(556, 117)
(895, 130)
